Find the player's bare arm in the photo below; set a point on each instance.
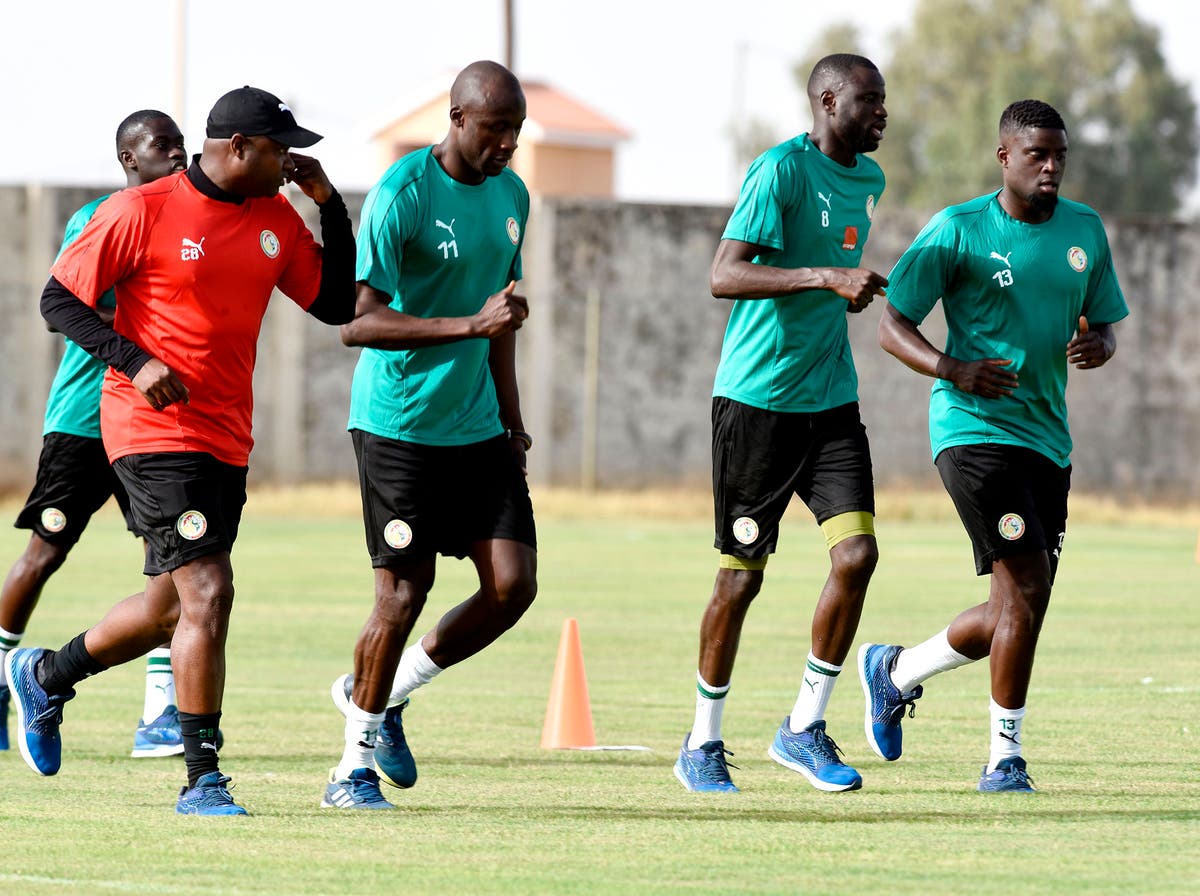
(310, 177)
(502, 362)
(378, 326)
(1092, 346)
(735, 276)
(985, 377)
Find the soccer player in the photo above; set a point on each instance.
(74, 477)
(194, 259)
(785, 409)
(1027, 287)
(435, 418)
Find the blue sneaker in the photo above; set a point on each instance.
(885, 702)
(704, 770)
(210, 796)
(161, 737)
(392, 756)
(359, 791)
(813, 754)
(1010, 776)
(4, 700)
(38, 714)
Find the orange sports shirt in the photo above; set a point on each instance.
(193, 276)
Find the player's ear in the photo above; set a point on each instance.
(128, 160)
(456, 116)
(1002, 155)
(238, 144)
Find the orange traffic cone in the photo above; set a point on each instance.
(569, 712)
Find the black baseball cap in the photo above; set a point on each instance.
(255, 113)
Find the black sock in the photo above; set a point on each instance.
(199, 743)
(59, 670)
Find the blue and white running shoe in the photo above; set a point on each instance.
(210, 796)
(704, 770)
(38, 714)
(885, 703)
(358, 791)
(1010, 776)
(161, 737)
(5, 697)
(813, 754)
(393, 759)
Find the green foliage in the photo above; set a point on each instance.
(1111, 735)
(1132, 124)
(1133, 128)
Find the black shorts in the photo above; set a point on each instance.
(74, 479)
(423, 500)
(1011, 500)
(187, 505)
(761, 458)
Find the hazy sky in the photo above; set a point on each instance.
(674, 73)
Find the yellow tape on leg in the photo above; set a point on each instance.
(846, 525)
(728, 561)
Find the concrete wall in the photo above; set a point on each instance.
(617, 359)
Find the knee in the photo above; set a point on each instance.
(1032, 601)
(738, 587)
(43, 559)
(854, 559)
(515, 594)
(397, 602)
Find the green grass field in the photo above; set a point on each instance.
(1112, 735)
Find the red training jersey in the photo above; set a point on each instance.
(193, 276)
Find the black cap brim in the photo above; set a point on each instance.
(300, 138)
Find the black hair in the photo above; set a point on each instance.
(136, 121)
(834, 69)
(1030, 114)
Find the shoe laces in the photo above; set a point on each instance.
(825, 746)
(53, 713)
(365, 789)
(715, 766)
(1020, 775)
(905, 700)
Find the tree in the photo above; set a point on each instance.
(754, 136)
(1132, 126)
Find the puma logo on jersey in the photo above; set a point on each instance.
(191, 251)
(1003, 258)
(825, 199)
(447, 246)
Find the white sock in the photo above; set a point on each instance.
(160, 684)
(415, 669)
(815, 691)
(915, 664)
(710, 706)
(1006, 733)
(8, 641)
(362, 728)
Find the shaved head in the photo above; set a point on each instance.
(832, 71)
(135, 122)
(484, 85)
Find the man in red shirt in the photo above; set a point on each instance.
(193, 259)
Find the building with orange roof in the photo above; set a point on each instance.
(566, 149)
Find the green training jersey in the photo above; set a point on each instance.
(439, 248)
(1008, 290)
(792, 353)
(74, 403)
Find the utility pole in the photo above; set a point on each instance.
(509, 45)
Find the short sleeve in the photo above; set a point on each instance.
(757, 217)
(925, 270)
(107, 249)
(387, 219)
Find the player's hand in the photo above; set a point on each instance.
(518, 452)
(986, 378)
(503, 312)
(1089, 348)
(858, 286)
(310, 177)
(159, 385)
